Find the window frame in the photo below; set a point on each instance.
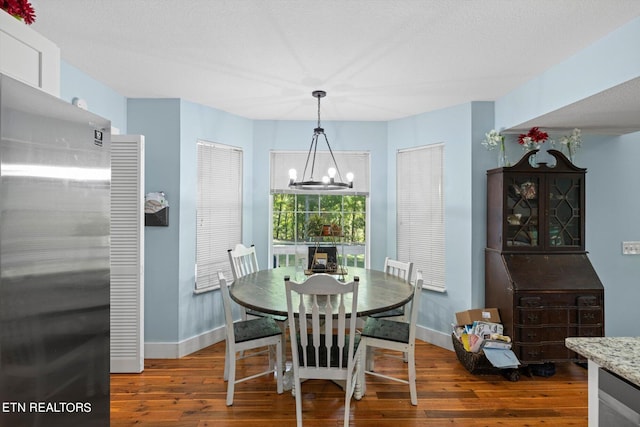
(300, 244)
(356, 161)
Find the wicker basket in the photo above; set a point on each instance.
(476, 363)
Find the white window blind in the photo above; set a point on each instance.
(420, 215)
(348, 161)
(219, 211)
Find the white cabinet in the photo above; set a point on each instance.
(27, 56)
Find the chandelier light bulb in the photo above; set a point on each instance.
(325, 179)
(332, 173)
(293, 174)
(350, 176)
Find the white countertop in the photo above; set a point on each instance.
(620, 355)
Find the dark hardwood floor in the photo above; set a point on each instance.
(190, 392)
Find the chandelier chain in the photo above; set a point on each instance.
(319, 112)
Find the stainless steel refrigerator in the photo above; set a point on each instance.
(54, 261)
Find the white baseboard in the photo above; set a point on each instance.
(172, 350)
(125, 365)
(168, 350)
(434, 337)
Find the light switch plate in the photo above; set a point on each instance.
(630, 248)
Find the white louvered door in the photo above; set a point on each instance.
(127, 253)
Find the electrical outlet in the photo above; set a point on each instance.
(630, 248)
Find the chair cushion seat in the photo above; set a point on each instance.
(396, 312)
(262, 327)
(335, 351)
(386, 330)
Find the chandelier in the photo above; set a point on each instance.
(333, 179)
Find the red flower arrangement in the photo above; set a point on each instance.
(533, 138)
(21, 9)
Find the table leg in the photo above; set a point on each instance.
(287, 378)
(359, 386)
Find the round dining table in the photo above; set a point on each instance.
(264, 291)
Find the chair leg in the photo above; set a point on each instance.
(243, 317)
(298, 395)
(347, 406)
(272, 360)
(231, 383)
(412, 377)
(284, 329)
(226, 361)
(369, 355)
(360, 386)
(279, 371)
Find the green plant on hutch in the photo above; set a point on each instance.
(321, 227)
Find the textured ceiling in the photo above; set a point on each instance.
(377, 59)
(615, 111)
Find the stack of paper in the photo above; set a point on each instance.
(501, 358)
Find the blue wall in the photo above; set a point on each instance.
(611, 218)
(171, 127)
(159, 121)
(464, 188)
(101, 99)
(203, 312)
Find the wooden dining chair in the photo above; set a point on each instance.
(248, 335)
(243, 261)
(398, 336)
(402, 270)
(330, 348)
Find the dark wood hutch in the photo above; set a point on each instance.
(537, 272)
